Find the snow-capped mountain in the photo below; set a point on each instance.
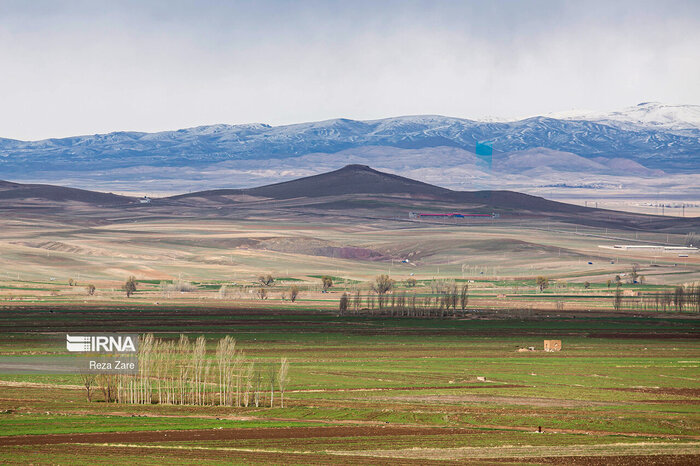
(645, 140)
(647, 114)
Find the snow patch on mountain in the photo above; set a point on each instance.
(647, 114)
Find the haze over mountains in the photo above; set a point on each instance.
(649, 147)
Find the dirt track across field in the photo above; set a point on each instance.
(226, 434)
(275, 432)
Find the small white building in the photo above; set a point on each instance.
(145, 200)
(652, 248)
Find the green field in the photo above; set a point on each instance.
(389, 390)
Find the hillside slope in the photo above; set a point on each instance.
(49, 193)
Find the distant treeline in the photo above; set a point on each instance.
(446, 300)
(681, 299)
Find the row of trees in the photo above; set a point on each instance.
(266, 281)
(445, 301)
(180, 373)
(681, 299)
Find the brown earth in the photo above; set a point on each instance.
(226, 434)
(691, 392)
(150, 455)
(631, 460)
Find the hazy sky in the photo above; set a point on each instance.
(69, 68)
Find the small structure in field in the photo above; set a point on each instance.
(526, 350)
(552, 345)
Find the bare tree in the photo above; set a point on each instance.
(357, 301)
(343, 305)
(382, 284)
(90, 289)
(258, 383)
(88, 380)
(327, 282)
(542, 282)
(634, 273)
(266, 280)
(107, 385)
(130, 286)
(225, 350)
(617, 303)
(262, 293)
(248, 384)
(464, 296)
(293, 292)
(283, 378)
(272, 375)
(679, 298)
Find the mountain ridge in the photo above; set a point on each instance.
(653, 147)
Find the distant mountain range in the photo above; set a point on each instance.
(647, 141)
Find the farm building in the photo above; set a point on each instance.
(652, 248)
(552, 345)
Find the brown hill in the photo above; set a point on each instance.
(44, 192)
(351, 179)
(359, 188)
(363, 180)
(352, 192)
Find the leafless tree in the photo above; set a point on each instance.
(382, 284)
(283, 378)
(464, 296)
(343, 306)
(248, 384)
(272, 375)
(88, 380)
(293, 292)
(266, 280)
(542, 282)
(130, 286)
(108, 386)
(258, 386)
(617, 303)
(327, 282)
